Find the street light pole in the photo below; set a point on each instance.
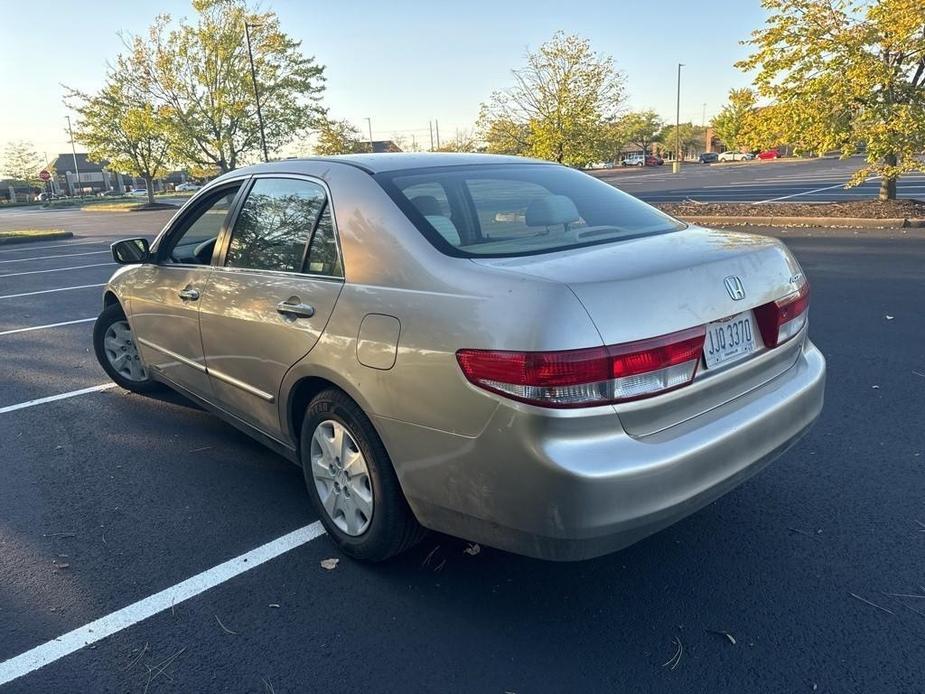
(250, 55)
(74, 153)
(677, 126)
(369, 126)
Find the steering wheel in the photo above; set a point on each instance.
(203, 251)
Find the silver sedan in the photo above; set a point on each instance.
(501, 349)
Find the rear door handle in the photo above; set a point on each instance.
(189, 294)
(293, 307)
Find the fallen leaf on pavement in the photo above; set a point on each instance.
(329, 564)
(472, 550)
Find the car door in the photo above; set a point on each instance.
(270, 295)
(166, 293)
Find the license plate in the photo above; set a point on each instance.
(729, 340)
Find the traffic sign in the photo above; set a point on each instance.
(44, 175)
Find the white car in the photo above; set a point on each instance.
(633, 160)
(139, 192)
(732, 155)
(185, 187)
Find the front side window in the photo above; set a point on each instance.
(519, 209)
(194, 240)
(275, 224)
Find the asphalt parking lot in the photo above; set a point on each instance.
(810, 180)
(790, 583)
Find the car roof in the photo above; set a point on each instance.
(391, 161)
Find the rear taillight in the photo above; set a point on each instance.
(588, 377)
(782, 319)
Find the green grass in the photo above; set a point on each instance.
(108, 206)
(24, 235)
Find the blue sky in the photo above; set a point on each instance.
(400, 63)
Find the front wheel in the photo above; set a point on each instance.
(351, 482)
(117, 351)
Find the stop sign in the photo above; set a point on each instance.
(44, 175)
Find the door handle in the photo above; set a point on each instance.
(188, 294)
(293, 307)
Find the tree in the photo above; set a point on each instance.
(201, 73)
(844, 72)
(339, 137)
(693, 139)
(21, 162)
(639, 128)
(732, 124)
(560, 104)
(463, 141)
(502, 135)
(120, 125)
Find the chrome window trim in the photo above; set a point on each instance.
(277, 273)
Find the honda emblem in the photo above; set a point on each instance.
(734, 287)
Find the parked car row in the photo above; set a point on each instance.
(732, 155)
(640, 160)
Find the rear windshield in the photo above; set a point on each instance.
(511, 210)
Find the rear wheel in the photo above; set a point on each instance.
(351, 482)
(117, 353)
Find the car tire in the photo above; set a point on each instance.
(341, 494)
(116, 351)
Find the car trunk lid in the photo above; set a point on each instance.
(655, 285)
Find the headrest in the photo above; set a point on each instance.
(427, 205)
(551, 210)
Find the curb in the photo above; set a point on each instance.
(856, 222)
(11, 240)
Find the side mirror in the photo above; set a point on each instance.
(129, 251)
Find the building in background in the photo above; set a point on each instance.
(90, 178)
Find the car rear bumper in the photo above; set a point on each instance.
(572, 487)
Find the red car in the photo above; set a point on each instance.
(654, 160)
(769, 154)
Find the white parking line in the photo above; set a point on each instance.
(51, 257)
(68, 643)
(53, 398)
(57, 269)
(807, 192)
(43, 327)
(50, 291)
(31, 247)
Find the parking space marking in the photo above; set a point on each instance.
(43, 327)
(68, 643)
(53, 398)
(50, 291)
(57, 269)
(30, 247)
(806, 192)
(52, 257)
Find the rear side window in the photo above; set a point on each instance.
(323, 258)
(520, 209)
(275, 224)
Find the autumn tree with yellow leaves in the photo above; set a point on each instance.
(845, 74)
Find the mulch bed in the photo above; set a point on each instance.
(862, 209)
